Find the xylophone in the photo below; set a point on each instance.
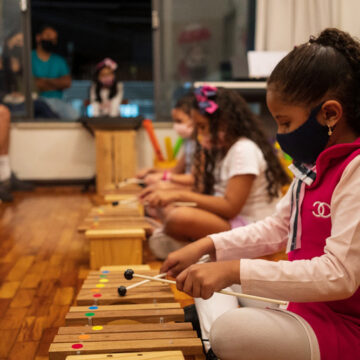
(141, 322)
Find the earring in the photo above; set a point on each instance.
(330, 130)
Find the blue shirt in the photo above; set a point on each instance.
(54, 68)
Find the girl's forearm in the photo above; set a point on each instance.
(182, 179)
(215, 204)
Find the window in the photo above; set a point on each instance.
(202, 40)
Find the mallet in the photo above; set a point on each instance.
(130, 181)
(129, 274)
(123, 289)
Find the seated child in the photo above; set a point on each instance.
(313, 95)
(239, 176)
(181, 174)
(106, 93)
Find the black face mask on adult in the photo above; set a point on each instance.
(48, 45)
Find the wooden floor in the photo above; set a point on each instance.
(43, 261)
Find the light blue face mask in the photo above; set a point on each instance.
(306, 142)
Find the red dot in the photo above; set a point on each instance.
(97, 295)
(77, 346)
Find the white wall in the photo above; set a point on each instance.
(281, 24)
(45, 151)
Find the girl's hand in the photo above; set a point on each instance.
(153, 178)
(159, 198)
(202, 280)
(180, 259)
(142, 173)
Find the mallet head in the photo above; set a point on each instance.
(122, 290)
(128, 274)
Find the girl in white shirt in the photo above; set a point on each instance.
(106, 93)
(237, 174)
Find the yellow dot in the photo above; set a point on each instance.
(97, 328)
(84, 337)
(104, 280)
(100, 285)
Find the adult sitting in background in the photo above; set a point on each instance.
(51, 73)
(11, 80)
(106, 93)
(8, 181)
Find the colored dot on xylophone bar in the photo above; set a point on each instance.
(96, 296)
(77, 347)
(90, 315)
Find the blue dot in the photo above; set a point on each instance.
(93, 307)
(105, 271)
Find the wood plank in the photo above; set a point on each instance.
(7, 339)
(182, 326)
(13, 318)
(23, 350)
(120, 273)
(23, 298)
(116, 234)
(173, 305)
(114, 286)
(20, 268)
(64, 296)
(121, 268)
(109, 298)
(192, 346)
(153, 355)
(142, 315)
(144, 335)
(8, 289)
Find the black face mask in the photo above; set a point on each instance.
(306, 142)
(48, 46)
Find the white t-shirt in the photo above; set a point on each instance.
(244, 158)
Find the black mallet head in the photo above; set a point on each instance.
(128, 274)
(115, 203)
(122, 290)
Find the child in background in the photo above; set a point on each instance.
(239, 179)
(181, 174)
(313, 94)
(106, 93)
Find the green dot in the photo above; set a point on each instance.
(103, 276)
(90, 314)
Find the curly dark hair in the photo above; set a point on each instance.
(327, 65)
(235, 118)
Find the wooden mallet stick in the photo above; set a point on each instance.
(130, 181)
(123, 289)
(129, 274)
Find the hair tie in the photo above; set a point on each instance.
(203, 95)
(108, 63)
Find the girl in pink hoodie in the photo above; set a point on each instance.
(314, 96)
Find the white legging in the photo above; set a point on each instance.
(254, 332)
